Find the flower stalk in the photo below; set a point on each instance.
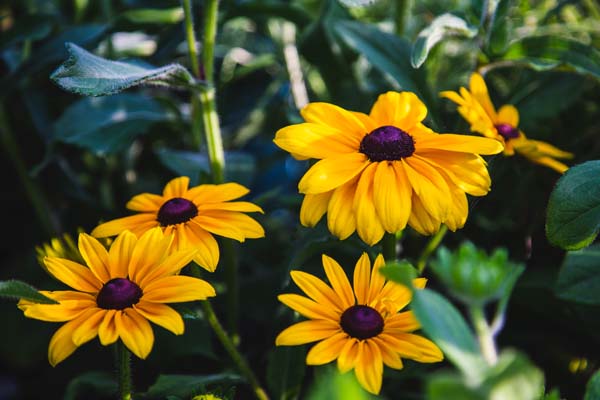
(484, 335)
(123, 361)
(433, 244)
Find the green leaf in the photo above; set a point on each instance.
(592, 389)
(441, 27)
(514, 377)
(185, 386)
(401, 272)
(579, 277)
(443, 324)
(573, 214)
(329, 384)
(444, 386)
(20, 290)
(285, 371)
(89, 75)
(499, 28)
(172, 15)
(111, 123)
(93, 384)
(549, 52)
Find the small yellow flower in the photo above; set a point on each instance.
(63, 247)
(362, 327)
(117, 293)
(476, 107)
(381, 171)
(193, 216)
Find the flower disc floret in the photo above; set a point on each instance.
(118, 294)
(176, 211)
(507, 131)
(387, 143)
(361, 322)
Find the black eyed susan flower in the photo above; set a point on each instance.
(379, 172)
(362, 327)
(118, 293)
(476, 107)
(193, 216)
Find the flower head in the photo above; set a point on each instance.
(362, 327)
(476, 107)
(117, 292)
(193, 215)
(382, 171)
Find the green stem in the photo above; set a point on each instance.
(389, 246)
(402, 7)
(211, 10)
(191, 37)
(33, 191)
(433, 244)
(235, 355)
(212, 132)
(484, 335)
(124, 371)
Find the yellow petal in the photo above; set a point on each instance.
(552, 163)
(161, 315)
(369, 367)
(95, 256)
(65, 311)
(146, 202)
(230, 224)
(480, 93)
(339, 281)
(391, 196)
(89, 328)
(420, 220)
(405, 348)
(326, 350)
(133, 223)
(508, 114)
(61, 346)
(310, 140)
(429, 185)
(196, 237)
(217, 226)
(337, 118)
(177, 289)
(332, 172)
(340, 215)
(403, 110)
(459, 143)
(348, 356)
(368, 226)
(176, 187)
(362, 276)
(401, 322)
(239, 206)
(206, 194)
(150, 249)
(548, 150)
(307, 307)
(389, 357)
(317, 290)
(377, 280)
(107, 331)
(313, 208)
(73, 274)
(119, 254)
(458, 211)
(169, 266)
(429, 351)
(135, 332)
(307, 332)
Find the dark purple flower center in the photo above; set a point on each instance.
(362, 322)
(176, 211)
(387, 143)
(118, 293)
(507, 131)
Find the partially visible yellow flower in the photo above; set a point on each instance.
(63, 246)
(381, 171)
(362, 327)
(117, 293)
(476, 107)
(193, 215)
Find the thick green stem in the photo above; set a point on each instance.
(33, 191)
(211, 10)
(389, 243)
(212, 133)
(484, 335)
(402, 7)
(433, 244)
(235, 355)
(123, 358)
(191, 37)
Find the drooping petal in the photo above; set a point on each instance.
(335, 117)
(119, 254)
(161, 315)
(368, 225)
(146, 202)
(150, 249)
(347, 358)
(196, 237)
(307, 307)
(459, 143)
(326, 350)
(340, 214)
(391, 196)
(206, 194)
(429, 186)
(307, 332)
(331, 173)
(107, 331)
(369, 367)
(362, 277)
(420, 220)
(176, 289)
(134, 223)
(458, 211)
(176, 187)
(73, 274)
(429, 352)
(135, 332)
(317, 290)
(313, 208)
(95, 256)
(89, 327)
(403, 110)
(339, 281)
(310, 140)
(169, 266)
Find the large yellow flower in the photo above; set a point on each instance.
(476, 107)
(193, 216)
(361, 328)
(118, 292)
(380, 171)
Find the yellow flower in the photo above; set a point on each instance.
(361, 328)
(476, 107)
(63, 247)
(118, 292)
(380, 171)
(193, 216)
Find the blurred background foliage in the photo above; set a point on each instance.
(70, 161)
